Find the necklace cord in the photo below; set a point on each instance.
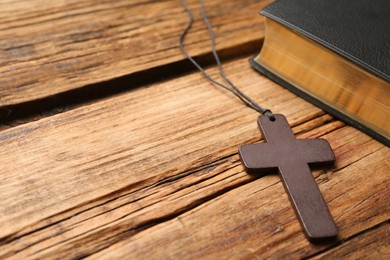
(233, 88)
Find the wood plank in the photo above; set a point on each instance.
(49, 47)
(143, 127)
(84, 231)
(374, 244)
(256, 219)
(131, 168)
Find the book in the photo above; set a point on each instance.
(335, 54)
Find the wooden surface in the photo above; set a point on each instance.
(50, 47)
(152, 171)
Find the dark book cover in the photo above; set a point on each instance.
(357, 30)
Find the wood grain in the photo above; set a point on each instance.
(156, 170)
(50, 47)
(374, 244)
(257, 220)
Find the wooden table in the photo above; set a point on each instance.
(114, 146)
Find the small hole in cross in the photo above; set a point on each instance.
(270, 115)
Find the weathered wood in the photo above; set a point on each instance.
(49, 47)
(256, 219)
(144, 127)
(374, 244)
(156, 170)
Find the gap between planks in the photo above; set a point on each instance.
(34, 110)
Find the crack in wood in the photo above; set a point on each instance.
(169, 179)
(343, 241)
(358, 159)
(147, 224)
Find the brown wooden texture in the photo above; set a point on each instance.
(155, 173)
(374, 244)
(49, 47)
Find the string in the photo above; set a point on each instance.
(233, 88)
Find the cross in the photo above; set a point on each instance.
(292, 158)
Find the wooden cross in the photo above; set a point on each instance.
(292, 158)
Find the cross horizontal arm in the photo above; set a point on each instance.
(258, 157)
(315, 151)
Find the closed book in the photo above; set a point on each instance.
(335, 54)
